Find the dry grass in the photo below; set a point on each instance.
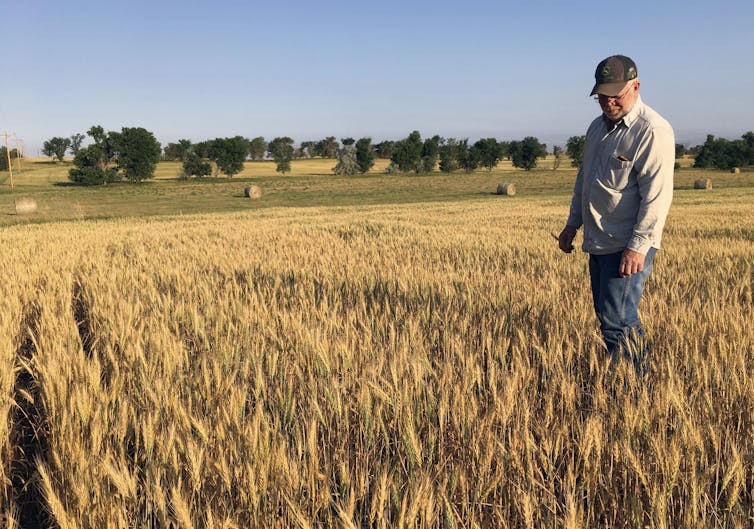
(386, 366)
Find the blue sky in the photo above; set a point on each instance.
(477, 68)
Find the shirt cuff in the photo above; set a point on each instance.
(573, 221)
(639, 244)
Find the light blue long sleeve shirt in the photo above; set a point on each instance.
(624, 187)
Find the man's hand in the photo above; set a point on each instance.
(565, 240)
(631, 263)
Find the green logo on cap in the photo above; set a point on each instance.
(606, 72)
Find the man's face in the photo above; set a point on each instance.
(618, 106)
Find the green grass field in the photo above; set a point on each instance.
(310, 183)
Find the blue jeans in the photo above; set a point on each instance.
(616, 302)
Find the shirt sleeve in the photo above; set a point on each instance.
(575, 215)
(655, 163)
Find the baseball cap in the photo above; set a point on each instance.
(613, 74)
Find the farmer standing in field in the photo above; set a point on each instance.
(621, 197)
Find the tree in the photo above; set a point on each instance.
(490, 152)
(193, 165)
(711, 153)
(557, 153)
(91, 167)
(76, 140)
(306, 149)
(56, 147)
(748, 139)
(364, 154)
(680, 150)
(723, 154)
(281, 150)
(137, 153)
(229, 154)
(94, 165)
(347, 141)
(202, 149)
(468, 157)
(347, 162)
(104, 139)
(385, 149)
(505, 146)
(299, 152)
(525, 153)
(448, 153)
(132, 153)
(407, 153)
(328, 148)
(4, 157)
(575, 150)
(694, 151)
(177, 151)
(315, 149)
(98, 134)
(257, 148)
(430, 149)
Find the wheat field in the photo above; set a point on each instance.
(432, 366)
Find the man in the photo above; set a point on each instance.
(621, 197)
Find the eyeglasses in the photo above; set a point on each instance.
(620, 96)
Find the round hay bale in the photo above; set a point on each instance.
(25, 206)
(735, 170)
(703, 183)
(506, 188)
(252, 192)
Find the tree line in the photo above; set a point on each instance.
(724, 154)
(14, 154)
(409, 155)
(133, 153)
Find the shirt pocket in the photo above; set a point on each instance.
(618, 174)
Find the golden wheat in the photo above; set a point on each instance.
(388, 366)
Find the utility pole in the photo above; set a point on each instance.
(7, 153)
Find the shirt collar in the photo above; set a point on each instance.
(629, 118)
